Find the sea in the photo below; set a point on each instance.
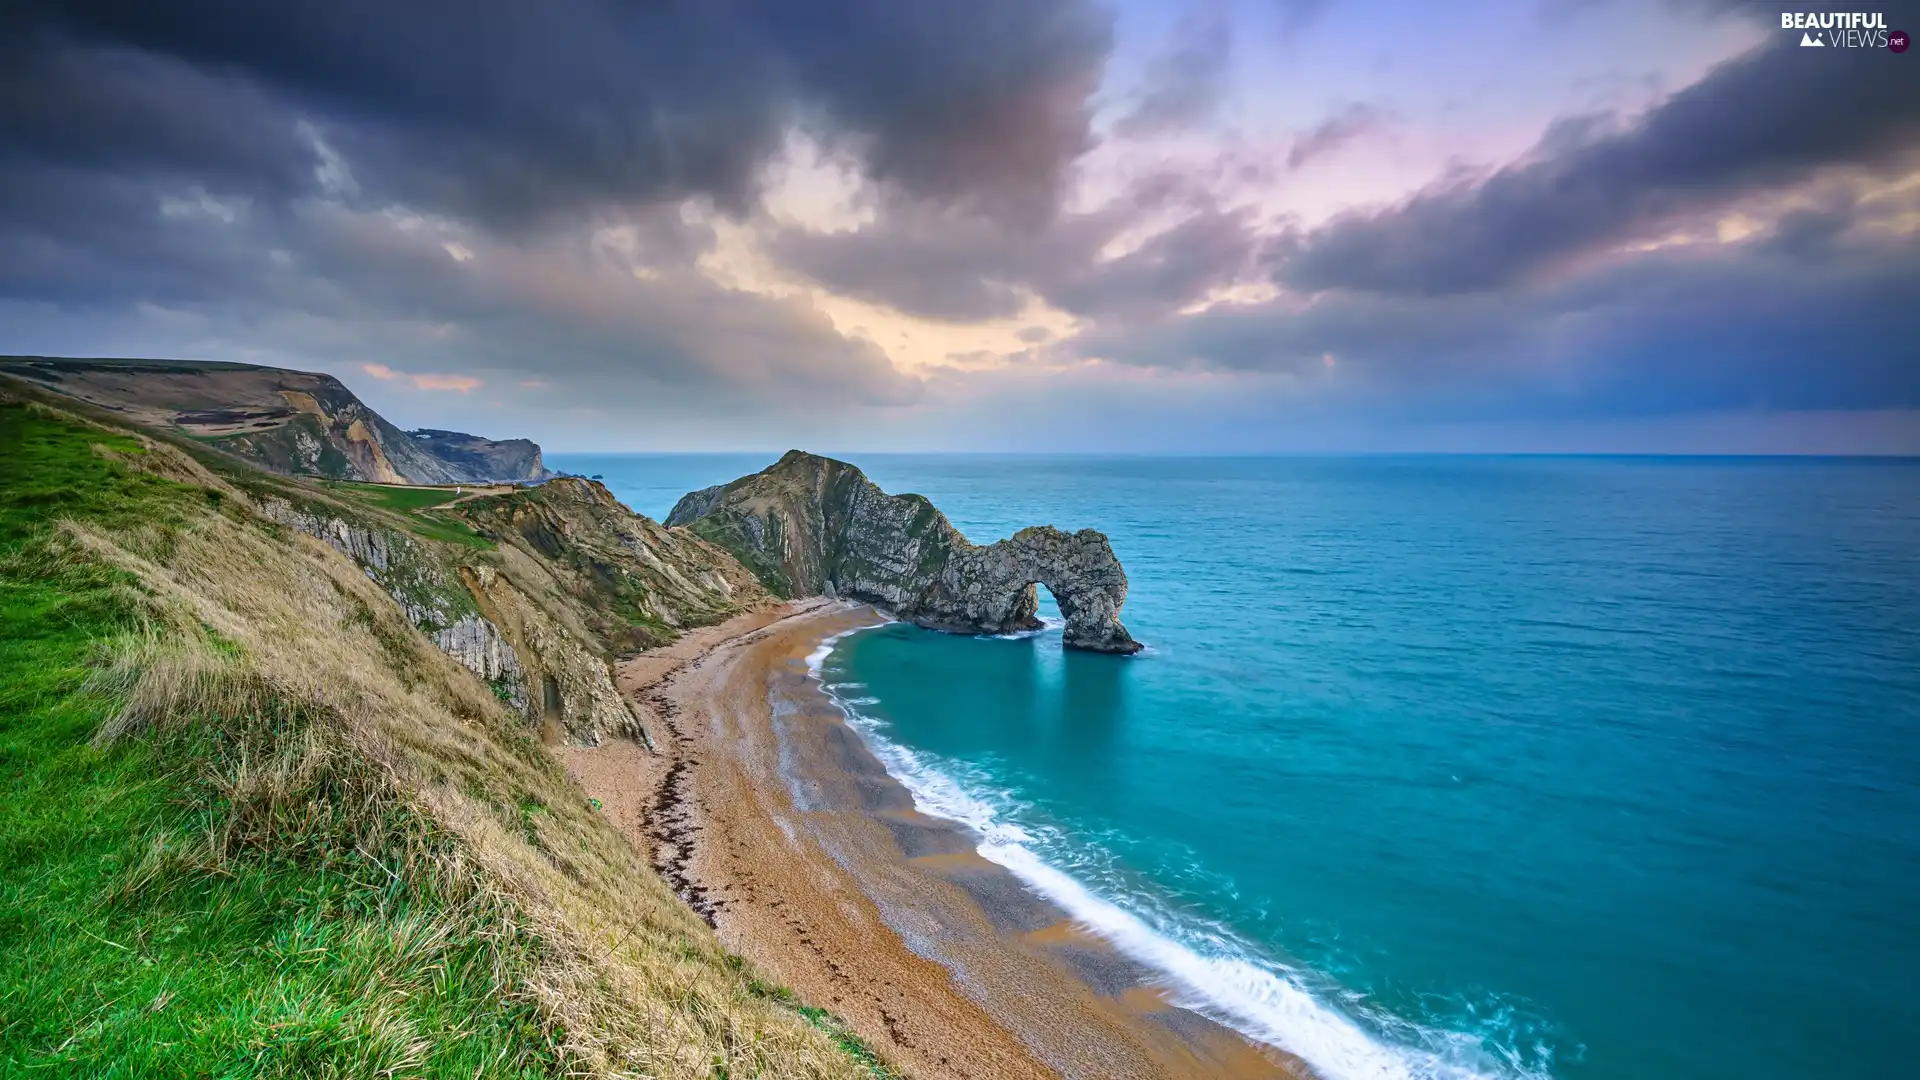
(1595, 768)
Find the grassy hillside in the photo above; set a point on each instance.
(256, 824)
(174, 907)
(418, 504)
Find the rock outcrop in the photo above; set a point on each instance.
(427, 588)
(483, 459)
(815, 526)
(570, 693)
(634, 582)
(289, 421)
(405, 567)
(576, 579)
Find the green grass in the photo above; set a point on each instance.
(724, 530)
(414, 505)
(849, 1043)
(153, 923)
(406, 500)
(843, 1037)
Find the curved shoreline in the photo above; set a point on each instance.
(773, 817)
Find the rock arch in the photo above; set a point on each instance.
(810, 525)
(993, 587)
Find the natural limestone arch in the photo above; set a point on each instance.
(810, 525)
(992, 587)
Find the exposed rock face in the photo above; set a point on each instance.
(634, 582)
(515, 625)
(483, 459)
(811, 525)
(569, 686)
(479, 647)
(992, 587)
(579, 578)
(430, 593)
(289, 421)
(398, 563)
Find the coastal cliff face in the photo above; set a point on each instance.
(483, 459)
(573, 579)
(535, 591)
(289, 421)
(634, 583)
(815, 526)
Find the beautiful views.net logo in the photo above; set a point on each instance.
(1844, 30)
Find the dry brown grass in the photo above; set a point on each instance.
(324, 686)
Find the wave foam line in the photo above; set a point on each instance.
(1267, 1005)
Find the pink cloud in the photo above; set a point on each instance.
(462, 383)
(380, 371)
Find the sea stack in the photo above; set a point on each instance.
(813, 526)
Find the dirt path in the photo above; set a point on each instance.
(484, 492)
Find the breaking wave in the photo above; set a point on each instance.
(1204, 965)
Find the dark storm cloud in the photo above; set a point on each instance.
(116, 109)
(518, 192)
(1437, 307)
(1801, 318)
(85, 237)
(1185, 84)
(1172, 269)
(959, 267)
(496, 186)
(327, 282)
(510, 112)
(1766, 119)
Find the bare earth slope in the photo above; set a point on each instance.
(288, 421)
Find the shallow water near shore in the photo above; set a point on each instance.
(1449, 767)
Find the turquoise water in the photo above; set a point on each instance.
(1569, 767)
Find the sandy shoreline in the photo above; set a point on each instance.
(769, 814)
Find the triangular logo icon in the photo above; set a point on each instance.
(1809, 41)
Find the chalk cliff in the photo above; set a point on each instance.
(810, 525)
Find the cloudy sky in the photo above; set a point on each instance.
(1233, 225)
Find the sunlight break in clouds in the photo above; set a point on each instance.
(426, 380)
(459, 383)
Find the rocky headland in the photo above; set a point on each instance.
(297, 422)
(813, 526)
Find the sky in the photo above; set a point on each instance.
(989, 225)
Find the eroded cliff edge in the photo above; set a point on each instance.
(810, 525)
(298, 422)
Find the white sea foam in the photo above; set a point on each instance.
(1203, 966)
